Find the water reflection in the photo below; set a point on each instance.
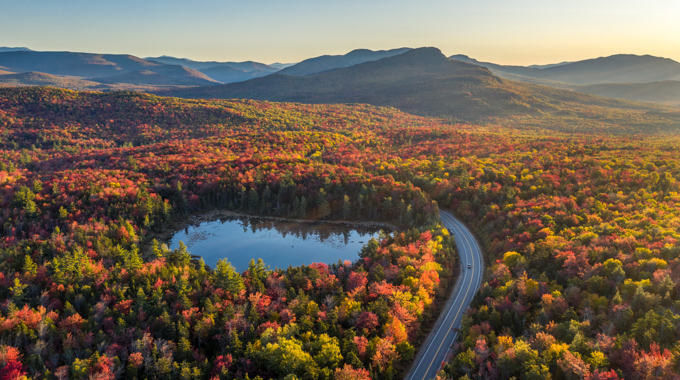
(278, 243)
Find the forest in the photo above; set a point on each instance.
(580, 232)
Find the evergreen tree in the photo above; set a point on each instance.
(228, 278)
(346, 207)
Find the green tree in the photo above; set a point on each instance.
(29, 266)
(287, 357)
(257, 273)
(302, 212)
(346, 207)
(228, 278)
(613, 269)
(324, 206)
(329, 354)
(18, 291)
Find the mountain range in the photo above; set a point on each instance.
(376, 77)
(84, 71)
(425, 82)
(330, 62)
(420, 81)
(225, 72)
(102, 68)
(624, 76)
(621, 68)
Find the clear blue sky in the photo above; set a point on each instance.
(502, 31)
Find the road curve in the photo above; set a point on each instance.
(431, 355)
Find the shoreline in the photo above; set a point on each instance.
(197, 218)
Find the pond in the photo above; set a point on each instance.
(278, 243)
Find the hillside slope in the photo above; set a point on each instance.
(87, 66)
(667, 91)
(75, 64)
(42, 79)
(146, 77)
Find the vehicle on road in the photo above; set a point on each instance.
(469, 266)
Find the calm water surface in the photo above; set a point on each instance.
(279, 244)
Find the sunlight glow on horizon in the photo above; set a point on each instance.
(522, 33)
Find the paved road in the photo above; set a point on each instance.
(432, 353)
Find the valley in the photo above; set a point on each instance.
(579, 231)
(108, 161)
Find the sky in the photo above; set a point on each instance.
(517, 32)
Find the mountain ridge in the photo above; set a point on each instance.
(4, 49)
(224, 72)
(90, 66)
(623, 76)
(201, 65)
(618, 68)
(330, 62)
(424, 82)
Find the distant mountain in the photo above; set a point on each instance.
(75, 64)
(146, 77)
(201, 65)
(98, 66)
(622, 68)
(144, 82)
(549, 65)
(6, 49)
(499, 70)
(420, 81)
(659, 92)
(330, 62)
(280, 66)
(184, 75)
(624, 76)
(224, 72)
(227, 74)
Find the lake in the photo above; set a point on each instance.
(278, 243)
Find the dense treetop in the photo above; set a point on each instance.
(580, 232)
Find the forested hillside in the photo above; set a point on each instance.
(424, 82)
(580, 233)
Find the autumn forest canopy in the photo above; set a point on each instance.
(580, 229)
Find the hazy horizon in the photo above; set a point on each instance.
(448, 54)
(525, 32)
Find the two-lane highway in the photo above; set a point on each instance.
(432, 353)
